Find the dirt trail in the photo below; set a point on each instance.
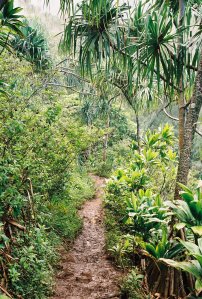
(86, 273)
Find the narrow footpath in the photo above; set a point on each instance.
(86, 272)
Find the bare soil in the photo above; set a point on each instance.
(86, 272)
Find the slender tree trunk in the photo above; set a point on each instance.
(89, 149)
(181, 124)
(190, 125)
(106, 138)
(138, 129)
(181, 102)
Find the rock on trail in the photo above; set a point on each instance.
(86, 273)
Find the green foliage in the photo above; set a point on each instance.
(42, 145)
(132, 194)
(194, 266)
(103, 34)
(113, 231)
(10, 23)
(189, 211)
(163, 247)
(40, 182)
(32, 46)
(65, 5)
(146, 213)
(63, 207)
(137, 205)
(114, 130)
(103, 169)
(31, 275)
(121, 250)
(90, 30)
(132, 285)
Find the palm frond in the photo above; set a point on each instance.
(94, 32)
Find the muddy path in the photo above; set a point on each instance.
(86, 272)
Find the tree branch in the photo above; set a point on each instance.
(176, 119)
(70, 72)
(165, 111)
(71, 87)
(170, 116)
(198, 132)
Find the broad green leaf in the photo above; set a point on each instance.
(197, 230)
(198, 285)
(134, 201)
(198, 258)
(191, 247)
(192, 267)
(185, 188)
(160, 250)
(186, 196)
(200, 244)
(151, 250)
(174, 251)
(180, 225)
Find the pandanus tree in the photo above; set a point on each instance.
(18, 35)
(157, 42)
(32, 46)
(10, 23)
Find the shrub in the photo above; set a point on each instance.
(133, 196)
(41, 187)
(131, 287)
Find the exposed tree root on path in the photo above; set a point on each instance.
(86, 272)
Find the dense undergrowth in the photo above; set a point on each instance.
(92, 111)
(41, 182)
(139, 215)
(47, 150)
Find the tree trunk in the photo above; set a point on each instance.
(106, 138)
(138, 129)
(164, 280)
(190, 126)
(181, 102)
